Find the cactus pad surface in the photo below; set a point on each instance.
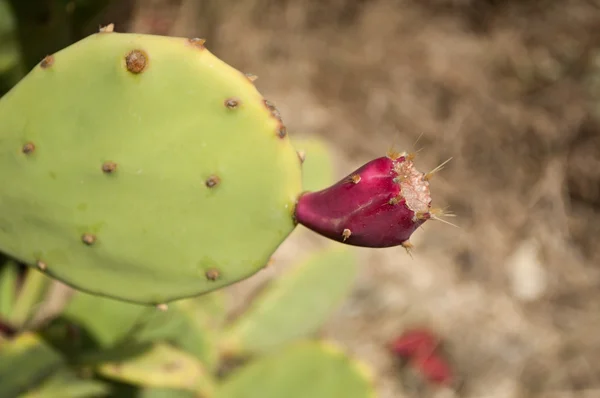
(296, 304)
(305, 369)
(143, 168)
(160, 366)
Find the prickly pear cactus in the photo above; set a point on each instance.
(295, 305)
(143, 168)
(305, 369)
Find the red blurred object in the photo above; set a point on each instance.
(413, 342)
(420, 347)
(434, 368)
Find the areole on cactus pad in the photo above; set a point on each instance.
(146, 169)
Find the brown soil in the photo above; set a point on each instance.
(506, 88)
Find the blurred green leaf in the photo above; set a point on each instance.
(106, 319)
(303, 370)
(66, 384)
(26, 361)
(10, 59)
(191, 325)
(159, 365)
(31, 293)
(166, 393)
(8, 286)
(296, 304)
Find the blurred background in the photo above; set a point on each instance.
(511, 91)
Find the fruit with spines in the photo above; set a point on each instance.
(379, 205)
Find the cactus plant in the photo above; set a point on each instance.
(318, 171)
(98, 346)
(29, 352)
(295, 305)
(178, 205)
(305, 369)
(139, 160)
(67, 384)
(154, 365)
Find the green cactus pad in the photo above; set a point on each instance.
(295, 305)
(166, 393)
(67, 384)
(190, 325)
(8, 288)
(318, 171)
(161, 366)
(24, 362)
(108, 321)
(306, 369)
(143, 168)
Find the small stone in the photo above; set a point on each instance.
(212, 274)
(88, 239)
(136, 61)
(528, 274)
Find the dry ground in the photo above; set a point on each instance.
(507, 89)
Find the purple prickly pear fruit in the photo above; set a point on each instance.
(379, 205)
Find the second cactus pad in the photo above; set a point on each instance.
(143, 168)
